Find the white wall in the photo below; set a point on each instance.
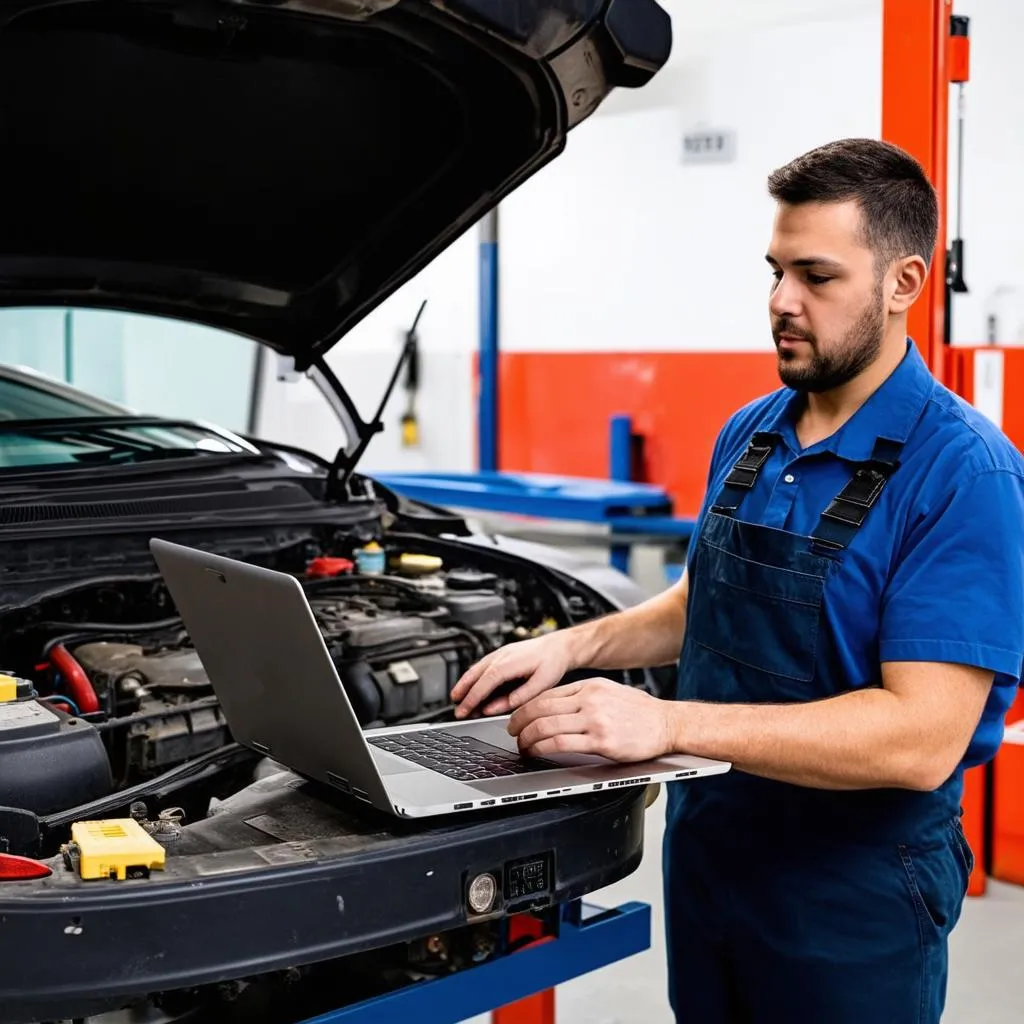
(617, 245)
(365, 359)
(993, 155)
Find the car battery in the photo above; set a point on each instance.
(49, 760)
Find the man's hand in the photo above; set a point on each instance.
(594, 717)
(643, 636)
(540, 663)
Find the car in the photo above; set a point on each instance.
(274, 170)
(121, 654)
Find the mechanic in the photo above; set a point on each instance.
(853, 609)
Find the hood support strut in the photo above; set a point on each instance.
(348, 456)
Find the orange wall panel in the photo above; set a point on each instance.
(1013, 385)
(556, 408)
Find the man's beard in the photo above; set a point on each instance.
(828, 370)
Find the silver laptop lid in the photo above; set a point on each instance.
(267, 662)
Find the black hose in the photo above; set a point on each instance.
(232, 752)
(110, 631)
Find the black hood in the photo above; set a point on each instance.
(277, 169)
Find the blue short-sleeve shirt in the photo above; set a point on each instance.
(936, 573)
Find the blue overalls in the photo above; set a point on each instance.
(784, 904)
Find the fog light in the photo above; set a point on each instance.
(482, 891)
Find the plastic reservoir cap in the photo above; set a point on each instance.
(370, 559)
(417, 564)
(324, 566)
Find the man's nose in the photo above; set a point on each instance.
(785, 297)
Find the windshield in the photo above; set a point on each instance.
(23, 398)
(107, 440)
(91, 387)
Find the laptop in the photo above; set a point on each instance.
(269, 666)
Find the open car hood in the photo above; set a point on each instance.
(277, 169)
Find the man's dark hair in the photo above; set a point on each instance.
(898, 204)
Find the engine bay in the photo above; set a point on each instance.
(111, 696)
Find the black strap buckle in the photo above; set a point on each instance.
(744, 473)
(853, 503)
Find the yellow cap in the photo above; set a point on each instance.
(413, 563)
(8, 688)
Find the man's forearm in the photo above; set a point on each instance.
(645, 636)
(859, 740)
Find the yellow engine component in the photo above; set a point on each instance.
(8, 688)
(418, 565)
(114, 848)
(12, 688)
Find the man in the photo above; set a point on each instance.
(851, 626)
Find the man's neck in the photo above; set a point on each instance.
(825, 412)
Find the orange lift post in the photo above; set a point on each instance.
(925, 51)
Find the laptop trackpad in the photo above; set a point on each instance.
(391, 765)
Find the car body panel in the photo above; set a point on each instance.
(275, 169)
(278, 169)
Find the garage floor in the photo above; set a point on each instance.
(985, 952)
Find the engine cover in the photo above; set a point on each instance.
(161, 685)
(127, 667)
(49, 760)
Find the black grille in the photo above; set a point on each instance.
(189, 504)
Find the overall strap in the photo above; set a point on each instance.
(847, 511)
(743, 475)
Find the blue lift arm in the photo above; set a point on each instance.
(586, 942)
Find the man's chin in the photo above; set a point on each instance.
(791, 375)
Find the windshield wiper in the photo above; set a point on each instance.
(115, 440)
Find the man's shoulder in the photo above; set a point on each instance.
(964, 441)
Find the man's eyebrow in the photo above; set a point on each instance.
(810, 261)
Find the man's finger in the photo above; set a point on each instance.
(501, 706)
(563, 743)
(470, 676)
(492, 676)
(562, 701)
(541, 681)
(533, 687)
(570, 723)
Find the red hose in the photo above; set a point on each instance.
(77, 682)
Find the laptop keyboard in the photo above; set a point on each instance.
(458, 756)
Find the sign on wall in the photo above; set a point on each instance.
(989, 365)
(709, 146)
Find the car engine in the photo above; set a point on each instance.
(119, 696)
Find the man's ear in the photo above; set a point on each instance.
(906, 280)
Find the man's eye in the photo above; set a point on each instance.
(818, 279)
